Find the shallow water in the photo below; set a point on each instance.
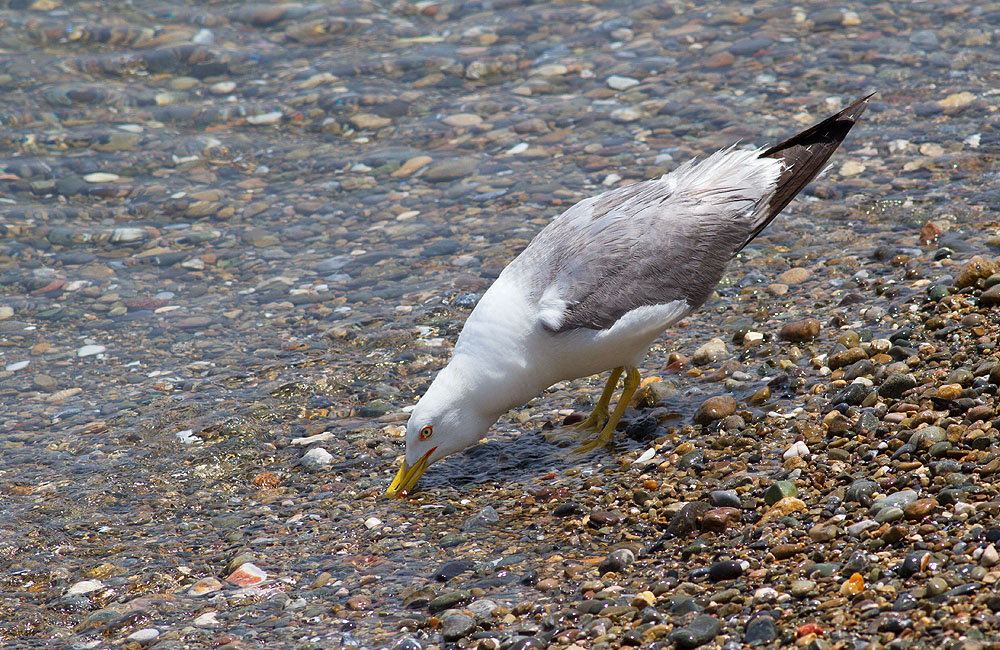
(215, 195)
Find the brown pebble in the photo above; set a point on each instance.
(547, 584)
(715, 408)
(980, 412)
(950, 391)
(785, 551)
(991, 296)
(800, 330)
(976, 269)
(823, 533)
(845, 358)
(794, 275)
(894, 534)
(929, 233)
(919, 509)
(719, 60)
(719, 519)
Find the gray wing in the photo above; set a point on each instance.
(670, 238)
(647, 244)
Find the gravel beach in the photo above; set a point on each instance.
(237, 241)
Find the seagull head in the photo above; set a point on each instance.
(443, 421)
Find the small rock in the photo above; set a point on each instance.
(710, 352)
(90, 350)
(247, 575)
(724, 499)
(798, 450)
(462, 119)
(369, 121)
(316, 459)
(144, 635)
(800, 330)
(719, 519)
(457, 626)
(976, 269)
(990, 557)
(725, 570)
(778, 491)
(484, 517)
(616, 561)
(895, 385)
(700, 631)
(412, 165)
(84, 587)
(794, 275)
(205, 586)
(450, 170)
(448, 600)
(621, 83)
(802, 588)
(851, 168)
(715, 408)
(853, 586)
(845, 358)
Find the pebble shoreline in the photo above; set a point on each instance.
(237, 241)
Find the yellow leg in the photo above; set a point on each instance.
(599, 416)
(608, 432)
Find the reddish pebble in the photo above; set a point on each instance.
(247, 575)
(808, 628)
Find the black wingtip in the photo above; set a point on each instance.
(804, 156)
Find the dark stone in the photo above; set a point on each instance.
(566, 510)
(449, 570)
(688, 519)
(724, 499)
(725, 570)
(861, 491)
(760, 630)
(616, 561)
(456, 626)
(699, 632)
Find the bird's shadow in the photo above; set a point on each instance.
(510, 458)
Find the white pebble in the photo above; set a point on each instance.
(101, 177)
(84, 587)
(646, 456)
(265, 118)
(127, 234)
(308, 440)
(144, 635)
(517, 148)
(187, 437)
(621, 83)
(989, 557)
(798, 450)
(17, 365)
(316, 458)
(372, 522)
(206, 620)
(90, 350)
(204, 37)
(765, 595)
(963, 508)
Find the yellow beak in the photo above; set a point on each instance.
(408, 476)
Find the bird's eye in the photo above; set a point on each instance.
(426, 432)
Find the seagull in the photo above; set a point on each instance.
(601, 282)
